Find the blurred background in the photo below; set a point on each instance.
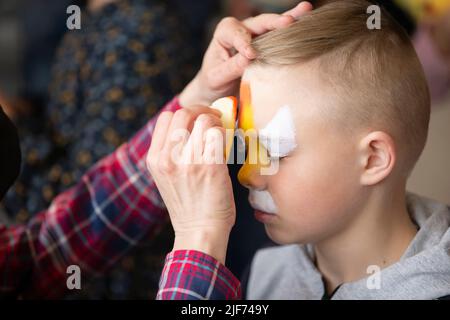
(77, 95)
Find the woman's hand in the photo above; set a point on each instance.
(230, 52)
(187, 162)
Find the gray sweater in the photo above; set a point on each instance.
(423, 272)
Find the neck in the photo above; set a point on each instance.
(379, 235)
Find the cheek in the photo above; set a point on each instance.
(311, 191)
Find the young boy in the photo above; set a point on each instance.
(350, 107)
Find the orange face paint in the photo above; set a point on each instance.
(246, 110)
(257, 157)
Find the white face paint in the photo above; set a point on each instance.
(278, 136)
(262, 200)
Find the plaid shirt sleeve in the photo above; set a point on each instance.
(193, 275)
(114, 207)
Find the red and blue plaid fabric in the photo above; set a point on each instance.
(193, 275)
(114, 207)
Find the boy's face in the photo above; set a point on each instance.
(316, 188)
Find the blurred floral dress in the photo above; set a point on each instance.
(109, 79)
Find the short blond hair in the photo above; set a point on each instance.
(376, 72)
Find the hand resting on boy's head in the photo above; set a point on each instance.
(221, 70)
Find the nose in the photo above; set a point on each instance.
(250, 173)
(248, 176)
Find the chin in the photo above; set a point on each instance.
(279, 236)
(282, 236)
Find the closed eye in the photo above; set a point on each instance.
(277, 157)
(277, 148)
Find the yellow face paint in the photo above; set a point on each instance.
(257, 156)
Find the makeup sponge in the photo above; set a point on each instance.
(228, 107)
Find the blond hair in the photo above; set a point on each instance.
(376, 72)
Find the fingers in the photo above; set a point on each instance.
(231, 33)
(302, 8)
(172, 132)
(160, 132)
(177, 135)
(213, 152)
(228, 70)
(195, 146)
(182, 124)
(269, 21)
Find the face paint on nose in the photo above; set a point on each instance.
(262, 201)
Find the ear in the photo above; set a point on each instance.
(377, 157)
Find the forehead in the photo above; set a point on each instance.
(266, 90)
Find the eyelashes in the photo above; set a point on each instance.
(278, 147)
(277, 157)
